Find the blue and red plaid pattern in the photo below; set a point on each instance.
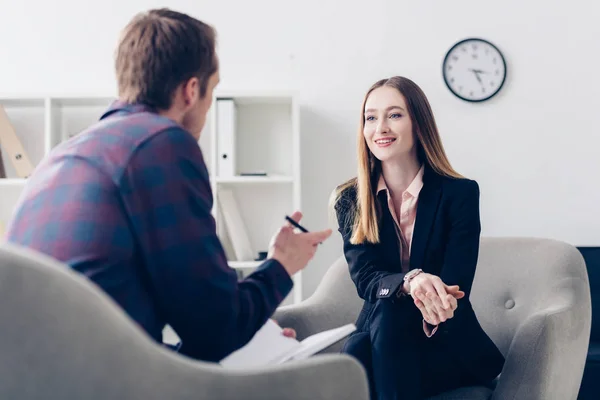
(127, 203)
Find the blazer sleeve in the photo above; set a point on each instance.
(462, 248)
(372, 278)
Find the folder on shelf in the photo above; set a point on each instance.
(13, 147)
(226, 127)
(235, 226)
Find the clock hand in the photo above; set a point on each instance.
(477, 71)
(476, 75)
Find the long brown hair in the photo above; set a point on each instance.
(429, 150)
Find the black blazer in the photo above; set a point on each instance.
(445, 243)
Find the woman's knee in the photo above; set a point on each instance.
(358, 343)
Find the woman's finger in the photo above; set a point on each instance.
(426, 315)
(426, 300)
(453, 302)
(433, 317)
(441, 312)
(441, 292)
(427, 286)
(422, 308)
(430, 307)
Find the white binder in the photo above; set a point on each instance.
(13, 147)
(226, 129)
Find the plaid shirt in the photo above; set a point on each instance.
(128, 204)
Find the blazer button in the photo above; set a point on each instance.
(509, 304)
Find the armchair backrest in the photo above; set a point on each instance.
(64, 338)
(515, 278)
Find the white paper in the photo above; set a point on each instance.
(270, 347)
(317, 342)
(267, 345)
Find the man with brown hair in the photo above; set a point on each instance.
(128, 201)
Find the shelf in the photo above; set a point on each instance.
(28, 118)
(83, 101)
(72, 115)
(256, 179)
(264, 97)
(12, 182)
(244, 264)
(22, 101)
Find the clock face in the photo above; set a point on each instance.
(474, 70)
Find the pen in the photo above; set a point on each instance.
(297, 225)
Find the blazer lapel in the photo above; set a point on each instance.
(427, 206)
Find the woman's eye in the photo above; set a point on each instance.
(370, 118)
(395, 115)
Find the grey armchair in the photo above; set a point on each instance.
(63, 338)
(531, 296)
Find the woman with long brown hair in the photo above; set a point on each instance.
(411, 228)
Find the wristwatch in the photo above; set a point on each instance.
(410, 275)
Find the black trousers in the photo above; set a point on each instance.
(401, 362)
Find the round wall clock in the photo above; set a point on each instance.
(474, 70)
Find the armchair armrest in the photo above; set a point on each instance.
(547, 355)
(334, 303)
(317, 378)
(313, 316)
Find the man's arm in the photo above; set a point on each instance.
(168, 195)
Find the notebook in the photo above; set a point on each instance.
(270, 347)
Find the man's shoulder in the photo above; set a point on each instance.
(129, 132)
(111, 143)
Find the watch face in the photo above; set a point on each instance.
(474, 70)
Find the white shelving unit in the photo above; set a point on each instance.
(267, 139)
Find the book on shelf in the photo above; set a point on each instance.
(2, 170)
(270, 347)
(13, 147)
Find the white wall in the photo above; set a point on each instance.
(534, 149)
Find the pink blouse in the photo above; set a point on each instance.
(407, 209)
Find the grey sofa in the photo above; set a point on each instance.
(531, 296)
(63, 338)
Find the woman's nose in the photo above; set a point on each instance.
(382, 127)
